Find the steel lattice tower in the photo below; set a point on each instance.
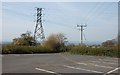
(39, 31)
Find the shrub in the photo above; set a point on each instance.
(12, 49)
(55, 42)
(102, 51)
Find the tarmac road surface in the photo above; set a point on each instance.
(58, 64)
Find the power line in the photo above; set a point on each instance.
(98, 13)
(89, 13)
(62, 24)
(103, 11)
(94, 11)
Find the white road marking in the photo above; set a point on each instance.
(82, 69)
(100, 66)
(104, 62)
(94, 65)
(47, 71)
(86, 64)
(112, 70)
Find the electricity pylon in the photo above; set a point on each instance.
(39, 31)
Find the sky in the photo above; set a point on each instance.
(62, 17)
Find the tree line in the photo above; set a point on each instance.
(56, 43)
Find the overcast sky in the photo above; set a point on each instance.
(62, 17)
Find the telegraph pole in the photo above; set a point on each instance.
(81, 30)
(39, 31)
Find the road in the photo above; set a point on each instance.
(58, 64)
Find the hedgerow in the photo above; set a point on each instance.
(102, 51)
(12, 49)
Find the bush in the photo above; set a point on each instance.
(55, 42)
(102, 51)
(13, 49)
